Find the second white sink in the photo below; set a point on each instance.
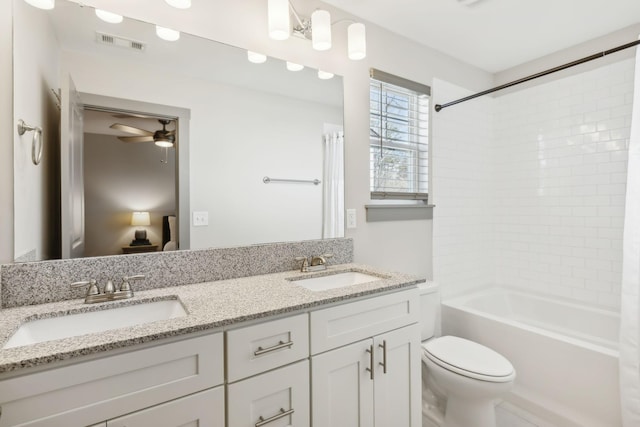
(335, 280)
(72, 325)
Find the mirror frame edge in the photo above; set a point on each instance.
(182, 154)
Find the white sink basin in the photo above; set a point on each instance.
(336, 280)
(72, 325)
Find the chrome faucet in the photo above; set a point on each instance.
(109, 292)
(316, 263)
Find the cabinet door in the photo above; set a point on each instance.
(398, 390)
(277, 398)
(342, 387)
(204, 409)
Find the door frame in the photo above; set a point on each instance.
(182, 117)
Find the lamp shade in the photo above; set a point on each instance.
(279, 19)
(140, 218)
(357, 41)
(321, 30)
(42, 4)
(255, 57)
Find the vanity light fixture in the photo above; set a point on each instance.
(179, 4)
(292, 66)
(110, 17)
(42, 4)
(255, 57)
(167, 33)
(324, 75)
(317, 28)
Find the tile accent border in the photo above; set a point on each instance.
(48, 281)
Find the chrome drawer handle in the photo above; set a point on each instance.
(283, 413)
(371, 362)
(383, 346)
(278, 346)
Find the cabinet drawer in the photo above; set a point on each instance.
(343, 324)
(266, 346)
(275, 399)
(88, 392)
(204, 409)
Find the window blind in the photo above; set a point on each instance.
(399, 137)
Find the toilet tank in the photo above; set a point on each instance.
(429, 309)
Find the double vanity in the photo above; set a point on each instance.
(325, 348)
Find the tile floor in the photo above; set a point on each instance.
(509, 415)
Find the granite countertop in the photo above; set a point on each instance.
(208, 305)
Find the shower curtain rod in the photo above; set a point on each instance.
(439, 107)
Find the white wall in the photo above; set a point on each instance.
(35, 189)
(121, 178)
(561, 157)
(7, 131)
(463, 233)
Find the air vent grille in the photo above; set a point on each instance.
(111, 40)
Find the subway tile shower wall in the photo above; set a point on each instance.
(560, 162)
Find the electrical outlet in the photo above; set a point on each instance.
(200, 219)
(351, 218)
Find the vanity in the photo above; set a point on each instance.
(263, 350)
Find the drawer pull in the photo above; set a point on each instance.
(278, 346)
(282, 414)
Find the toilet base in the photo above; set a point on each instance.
(461, 412)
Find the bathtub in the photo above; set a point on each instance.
(565, 353)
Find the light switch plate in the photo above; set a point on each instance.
(200, 219)
(351, 218)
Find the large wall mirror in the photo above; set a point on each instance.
(114, 91)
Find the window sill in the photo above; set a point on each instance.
(388, 212)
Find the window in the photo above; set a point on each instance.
(399, 137)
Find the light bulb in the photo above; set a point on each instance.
(110, 17)
(167, 33)
(357, 41)
(42, 4)
(179, 4)
(324, 75)
(256, 58)
(292, 66)
(279, 19)
(321, 30)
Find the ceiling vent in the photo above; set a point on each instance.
(111, 40)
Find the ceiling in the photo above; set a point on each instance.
(496, 35)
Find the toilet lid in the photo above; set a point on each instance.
(469, 358)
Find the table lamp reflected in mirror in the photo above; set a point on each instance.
(140, 219)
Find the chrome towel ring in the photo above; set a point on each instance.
(36, 142)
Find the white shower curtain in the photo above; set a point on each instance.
(333, 188)
(630, 303)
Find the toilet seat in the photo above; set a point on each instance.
(469, 359)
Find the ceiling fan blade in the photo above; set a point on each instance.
(131, 129)
(136, 138)
(171, 132)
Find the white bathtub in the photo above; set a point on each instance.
(565, 353)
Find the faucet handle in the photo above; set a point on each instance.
(325, 256)
(125, 286)
(305, 262)
(92, 286)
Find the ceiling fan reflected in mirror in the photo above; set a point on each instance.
(162, 137)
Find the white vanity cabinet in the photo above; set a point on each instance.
(268, 373)
(204, 409)
(365, 366)
(102, 389)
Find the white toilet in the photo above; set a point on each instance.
(468, 375)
